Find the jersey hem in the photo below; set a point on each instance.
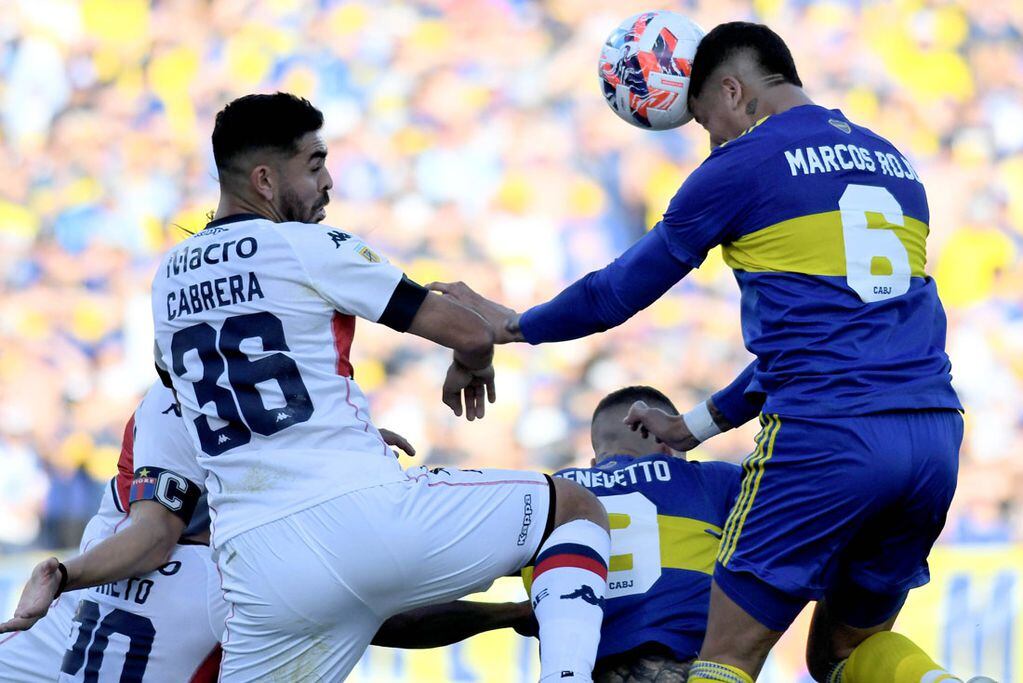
(221, 537)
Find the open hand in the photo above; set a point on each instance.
(669, 429)
(36, 597)
(397, 440)
(475, 386)
(504, 320)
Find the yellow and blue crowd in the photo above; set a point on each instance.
(468, 140)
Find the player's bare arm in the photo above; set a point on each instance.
(677, 430)
(139, 549)
(471, 375)
(447, 623)
(504, 320)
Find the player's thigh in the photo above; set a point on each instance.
(297, 594)
(34, 656)
(888, 554)
(252, 654)
(459, 530)
(807, 488)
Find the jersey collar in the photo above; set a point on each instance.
(234, 218)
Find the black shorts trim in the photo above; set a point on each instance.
(551, 510)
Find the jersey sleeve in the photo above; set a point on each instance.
(708, 209)
(737, 402)
(352, 277)
(166, 469)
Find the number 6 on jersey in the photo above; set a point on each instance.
(876, 261)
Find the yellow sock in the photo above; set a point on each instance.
(703, 671)
(889, 658)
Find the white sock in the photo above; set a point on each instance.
(569, 584)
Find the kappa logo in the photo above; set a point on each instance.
(586, 594)
(173, 407)
(338, 237)
(527, 518)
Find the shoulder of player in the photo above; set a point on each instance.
(158, 400)
(320, 237)
(711, 468)
(733, 162)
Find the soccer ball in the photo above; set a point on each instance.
(645, 66)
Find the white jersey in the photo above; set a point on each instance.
(162, 627)
(254, 323)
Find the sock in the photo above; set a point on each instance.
(703, 671)
(889, 658)
(569, 583)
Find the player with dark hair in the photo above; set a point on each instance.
(319, 534)
(824, 223)
(666, 515)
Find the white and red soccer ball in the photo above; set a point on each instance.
(645, 67)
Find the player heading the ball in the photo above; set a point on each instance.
(824, 223)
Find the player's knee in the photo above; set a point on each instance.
(572, 502)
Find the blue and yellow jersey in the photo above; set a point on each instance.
(666, 518)
(825, 224)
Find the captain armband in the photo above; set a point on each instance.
(169, 489)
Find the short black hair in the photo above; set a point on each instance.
(725, 40)
(255, 122)
(628, 395)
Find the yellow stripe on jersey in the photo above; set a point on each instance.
(688, 543)
(815, 245)
(618, 563)
(754, 467)
(747, 131)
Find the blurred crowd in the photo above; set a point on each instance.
(468, 140)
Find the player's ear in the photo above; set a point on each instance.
(263, 181)
(731, 89)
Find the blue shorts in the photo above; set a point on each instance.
(844, 505)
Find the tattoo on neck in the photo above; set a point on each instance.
(751, 107)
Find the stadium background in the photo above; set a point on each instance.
(469, 140)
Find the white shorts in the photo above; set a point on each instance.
(162, 627)
(309, 591)
(34, 656)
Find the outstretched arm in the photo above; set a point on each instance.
(139, 549)
(608, 297)
(730, 407)
(598, 301)
(440, 625)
